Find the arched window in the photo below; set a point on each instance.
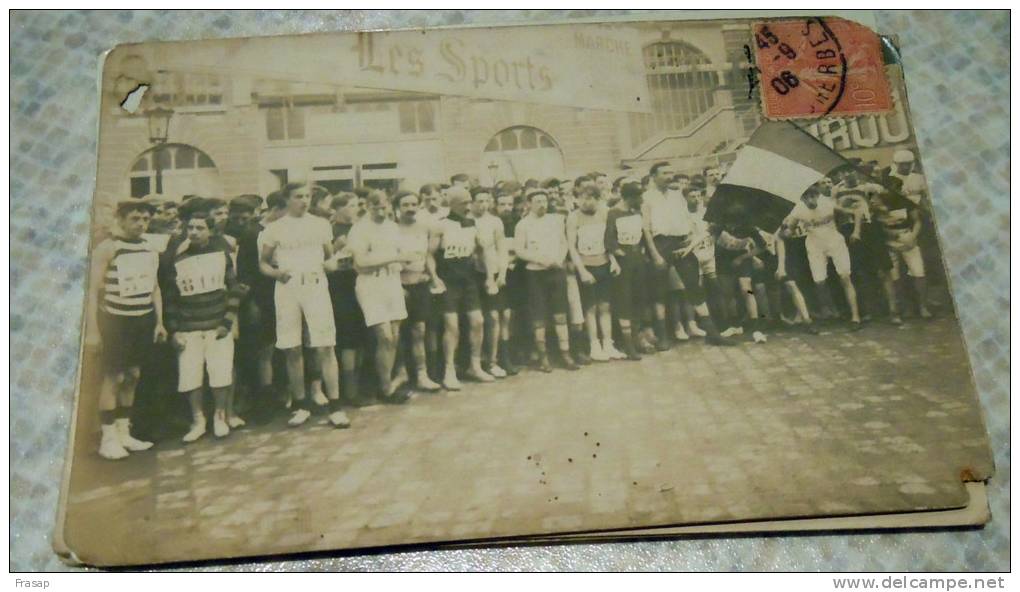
(519, 153)
(174, 170)
(682, 85)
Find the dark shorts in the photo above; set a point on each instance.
(870, 255)
(797, 268)
(516, 289)
(127, 341)
(419, 302)
(263, 326)
(351, 332)
(630, 289)
(687, 267)
(592, 294)
(462, 295)
(490, 302)
(547, 293)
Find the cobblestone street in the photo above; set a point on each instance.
(840, 423)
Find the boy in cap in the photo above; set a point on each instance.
(124, 317)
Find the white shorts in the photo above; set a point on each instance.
(911, 258)
(574, 306)
(304, 296)
(381, 298)
(204, 352)
(821, 249)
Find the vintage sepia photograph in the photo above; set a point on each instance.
(457, 285)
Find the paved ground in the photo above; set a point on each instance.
(883, 419)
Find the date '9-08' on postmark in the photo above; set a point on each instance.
(816, 67)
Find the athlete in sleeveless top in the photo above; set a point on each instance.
(416, 278)
(374, 242)
(596, 267)
(455, 244)
(124, 318)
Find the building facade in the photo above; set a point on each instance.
(235, 132)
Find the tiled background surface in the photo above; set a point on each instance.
(957, 70)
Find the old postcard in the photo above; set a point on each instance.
(558, 282)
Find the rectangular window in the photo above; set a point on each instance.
(295, 124)
(417, 117)
(274, 124)
(285, 123)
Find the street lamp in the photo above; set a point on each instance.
(493, 167)
(159, 129)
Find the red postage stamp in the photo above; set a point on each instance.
(814, 67)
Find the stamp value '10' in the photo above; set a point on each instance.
(820, 66)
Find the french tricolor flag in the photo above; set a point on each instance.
(770, 174)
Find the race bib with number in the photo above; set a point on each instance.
(201, 274)
(136, 273)
(628, 230)
(459, 242)
(591, 239)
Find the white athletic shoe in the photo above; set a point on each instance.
(612, 352)
(339, 419)
(197, 430)
(129, 443)
(759, 337)
(496, 371)
(695, 330)
(320, 398)
(427, 384)
(110, 447)
(220, 428)
(598, 354)
(235, 422)
(679, 334)
(450, 382)
(730, 332)
(299, 417)
(480, 375)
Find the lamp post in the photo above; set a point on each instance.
(493, 167)
(159, 129)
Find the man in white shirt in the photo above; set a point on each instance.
(541, 242)
(670, 237)
(293, 252)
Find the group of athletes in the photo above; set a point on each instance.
(369, 295)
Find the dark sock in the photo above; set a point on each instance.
(708, 325)
(122, 412)
(628, 341)
(660, 330)
(107, 416)
(349, 380)
(334, 405)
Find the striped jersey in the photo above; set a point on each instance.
(130, 278)
(201, 286)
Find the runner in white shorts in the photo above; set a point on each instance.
(375, 243)
(824, 242)
(294, 251)
(202, 299)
